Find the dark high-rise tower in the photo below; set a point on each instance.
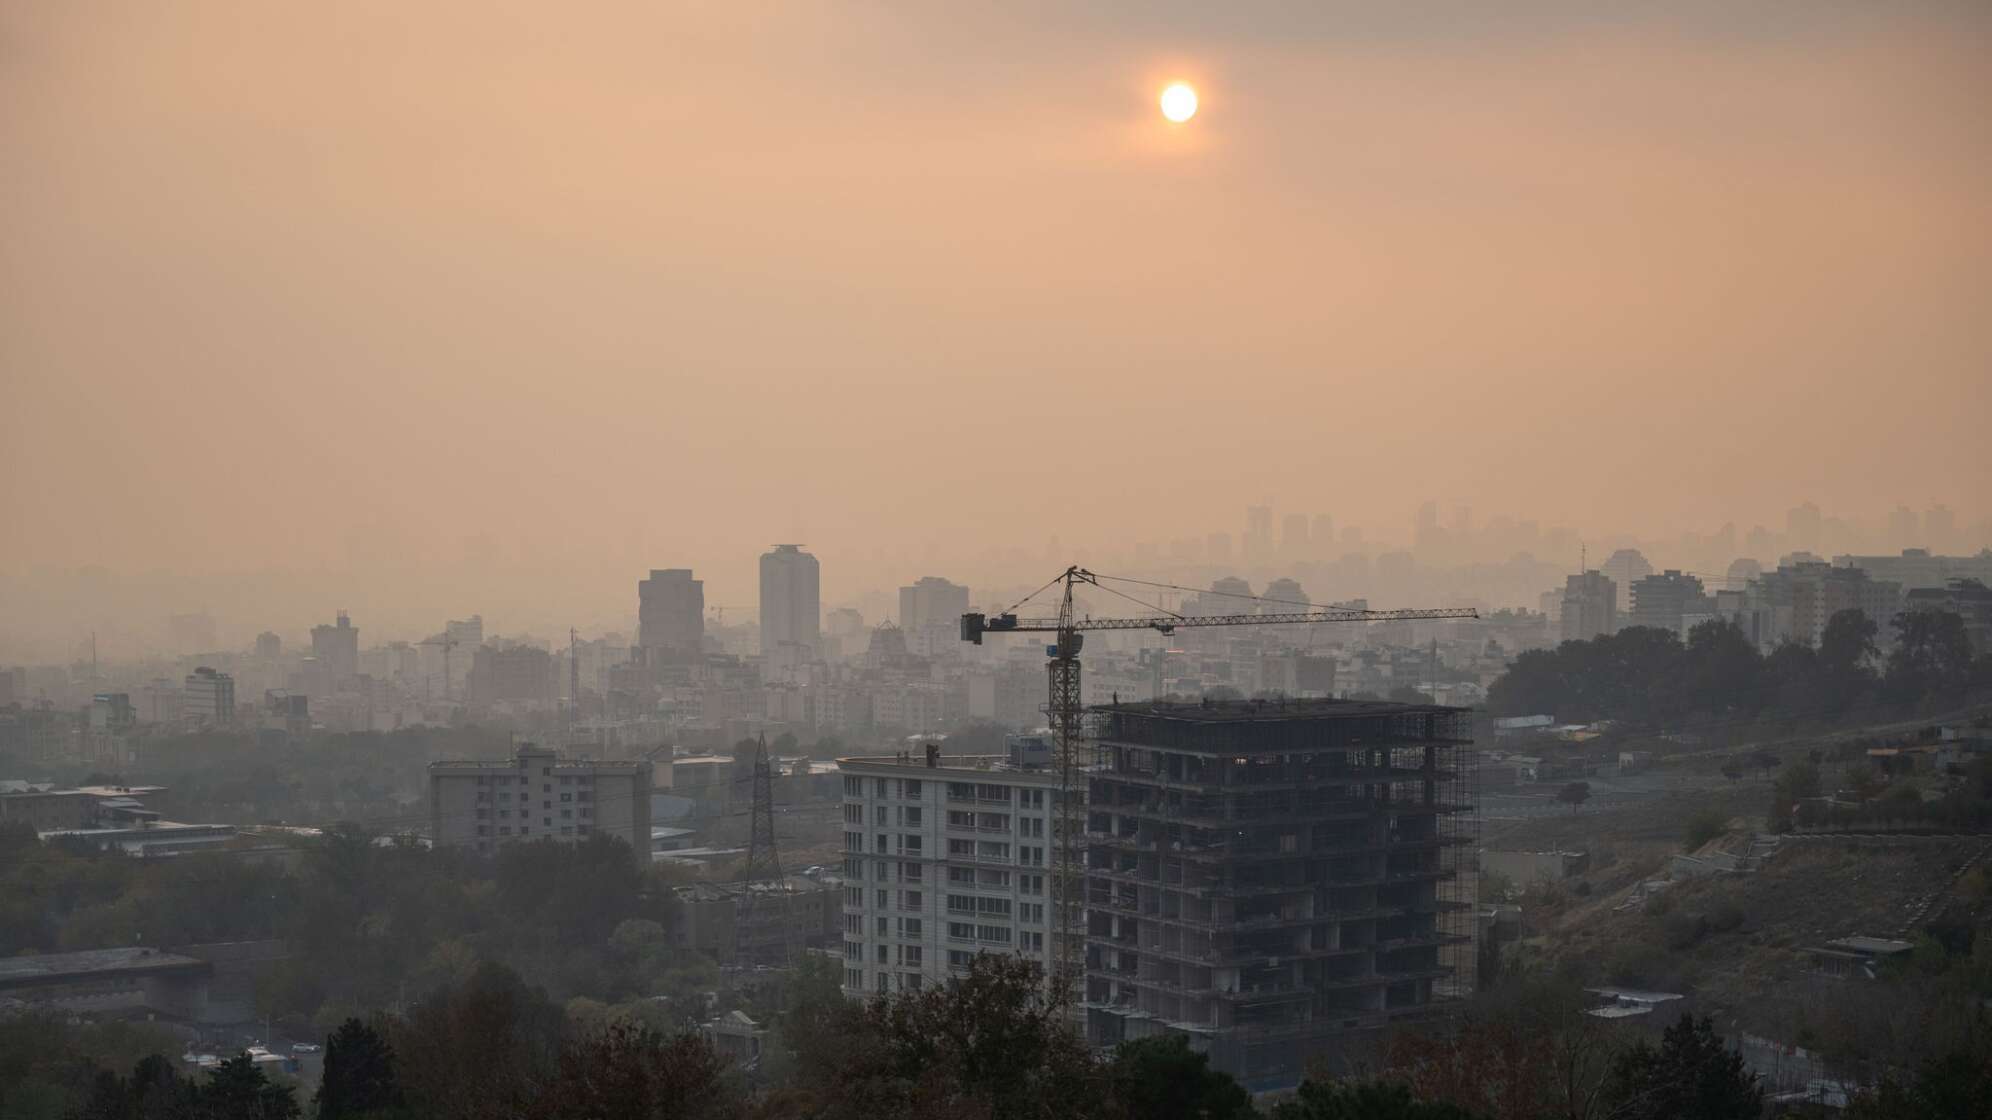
(670, 616)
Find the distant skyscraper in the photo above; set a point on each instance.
(1626, 567)
(791, 605)
(268, 646)
(1589, 606)
(670, 616)
(467, 633)
(930, 613)
(1665, 601)
(337, 649)
(1322, 536)
(1258, 533)
(210, 697)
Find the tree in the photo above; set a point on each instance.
(1955, 1085)
(1161, 1078)
(1847, 653)
(1932, 656)
(1704, 826)
(1732, 769)
(359, 1075)
(1574, 794)
(631, 1073)
(1692, 1076)
(476, 1049)
(237, 1090)
(1363, 1100)
(1766, 760)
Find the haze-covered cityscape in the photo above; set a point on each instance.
(832, 562)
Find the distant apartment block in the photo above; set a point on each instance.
(791, 606)
(537, 794)
(337, 649)
(930, 611)
(1590, 606)
(670, 617)
(209, 698)
(945, 856)
(1668, 601)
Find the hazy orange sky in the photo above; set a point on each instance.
(387, 287)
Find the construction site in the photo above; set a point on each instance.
(1274, 879)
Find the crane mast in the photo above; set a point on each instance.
(1064, 711)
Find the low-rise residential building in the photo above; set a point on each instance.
(538, 793)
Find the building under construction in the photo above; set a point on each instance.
(1274, 879)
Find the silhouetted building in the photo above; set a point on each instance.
(1664, 601)
(930, 613)
(512, 673)
(537, 794)
(210, 697)
(791, 606)
(1590, 606)
(337, 649)
(670, 617)
(1969, 599)
(1625, 567)
(269, 647)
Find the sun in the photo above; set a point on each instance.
(1179, 102)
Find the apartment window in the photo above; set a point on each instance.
(884, 979)
(878, 787)
(909, 816)
(910, 900)
(964, 849)
(1031, 884)
(909, 955)
(999, 935)
(994, 793)
(854, 787)
(484, 795)
(483, 814)
(961, 791)
(505, 796)
(567, 830)
(996, 907)
(586, 812)
(1030, 942)
(960, 958)
(990, 877)
(567, 797)
(880, 815)
(992, 849)
(958, 819)
(854, 867)
(881, 848)
(1031, 826)
(911, 981)
(854, 841)
(884, 926)
(854, 814)
(911, 789)
(884, 898)
(961, 904)
(993, 822)
(909, 927)
(504, 830)
(1031, 798)
(504, 814)
(961, 931)
(484, 830)
(854, 978)
(910, 872)
(909, 842)
(1032, 912)
(854, 897)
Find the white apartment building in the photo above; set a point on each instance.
(536, 794)
(945, 856)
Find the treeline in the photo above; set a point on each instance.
(990, 1045)
(370, 924)
(1650, 678)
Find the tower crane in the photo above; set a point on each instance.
(1065, 710)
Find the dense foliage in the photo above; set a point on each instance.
(1650, 678)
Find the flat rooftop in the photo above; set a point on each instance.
(90, 964)
(1268, 711)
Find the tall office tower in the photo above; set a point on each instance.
(945, 857)
(1258, 533)
(791, 605)
(670, 616)
(1626, 567)
(537, 794)
(337, 648)
(1666, 600)
(467, 633)
(1293, 537)
(930, 613)
(1322, 536)
(1590, 606)
(210, 697)
(269, 647)
(1277, 882)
